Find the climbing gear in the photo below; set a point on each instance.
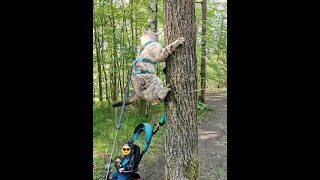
(119, 121)
(135, 71)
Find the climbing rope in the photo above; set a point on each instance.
(119, 121)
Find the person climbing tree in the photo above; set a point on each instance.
(181, 149)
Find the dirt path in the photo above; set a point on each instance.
(212, 145)
(213, 139)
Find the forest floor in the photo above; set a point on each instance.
(212, 146)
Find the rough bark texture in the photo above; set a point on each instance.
(153, 15)
(203, 51)
(181, 149)
(115, 56)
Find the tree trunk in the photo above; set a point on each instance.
(203, 52)
(120, 83)
(181, 149)
(153, 23)
(98, 62)
(132, 30)
(106, 85)
(153, 16)
(115, 57)
(111, 80)
(122, 47)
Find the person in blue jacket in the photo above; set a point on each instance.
(127, 161)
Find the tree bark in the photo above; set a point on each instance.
(203, 52)
(181, 149)
(115, 57)
(153, 15)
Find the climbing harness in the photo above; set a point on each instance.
(135, 71)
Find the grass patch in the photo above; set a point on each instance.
(202, 110)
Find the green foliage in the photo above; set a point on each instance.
(201, 111)
(216, 40)
(99, 168)
(201, 106)
(119, 41)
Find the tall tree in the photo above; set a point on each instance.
(106, 86)
(181, 147)
(115, 58)
(98, 50)
(203, 51)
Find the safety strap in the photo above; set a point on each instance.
(125, 162)
(119, 122)
(135, 71)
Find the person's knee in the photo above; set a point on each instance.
(123, 176)
(115, 176)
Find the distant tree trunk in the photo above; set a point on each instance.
(123, 62)
(106, 85)
(218, 51)
(181, 149)
(133, 44)
(203, 52)
(98, 62)
(111, 80)
(115, 57)
(153, 23)
(122, 47)
(153, 16)
(131, 27)
(136, 36)
(120, 83)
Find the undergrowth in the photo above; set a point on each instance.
(202, 110)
